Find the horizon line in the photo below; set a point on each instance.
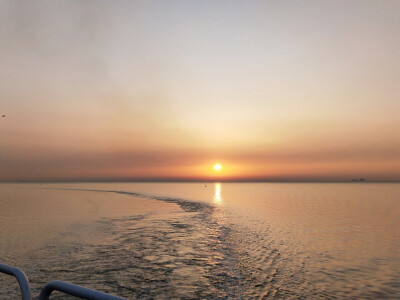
(180, 180)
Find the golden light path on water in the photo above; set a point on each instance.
(217, 194)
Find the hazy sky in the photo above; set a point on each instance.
(165, 89)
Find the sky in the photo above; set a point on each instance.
(163, 90)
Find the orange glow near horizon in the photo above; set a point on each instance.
(279, 101)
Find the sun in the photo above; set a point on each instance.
(217, 167)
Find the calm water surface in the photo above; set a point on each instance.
(194, 240)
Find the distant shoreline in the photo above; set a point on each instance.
(198, 181)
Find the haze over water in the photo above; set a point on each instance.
(202, 91)
(150, 90)
(191, 240)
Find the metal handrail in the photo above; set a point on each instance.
(74, 290)
(22, 280)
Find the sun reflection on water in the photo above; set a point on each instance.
(217, 194)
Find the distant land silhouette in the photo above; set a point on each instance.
(358, 180)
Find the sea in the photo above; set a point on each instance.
(205, 240)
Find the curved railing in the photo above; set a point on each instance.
(74, 290)
(61, 286)
(22, 280)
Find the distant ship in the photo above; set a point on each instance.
(358, 180)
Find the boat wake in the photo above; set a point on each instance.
(179, 254)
